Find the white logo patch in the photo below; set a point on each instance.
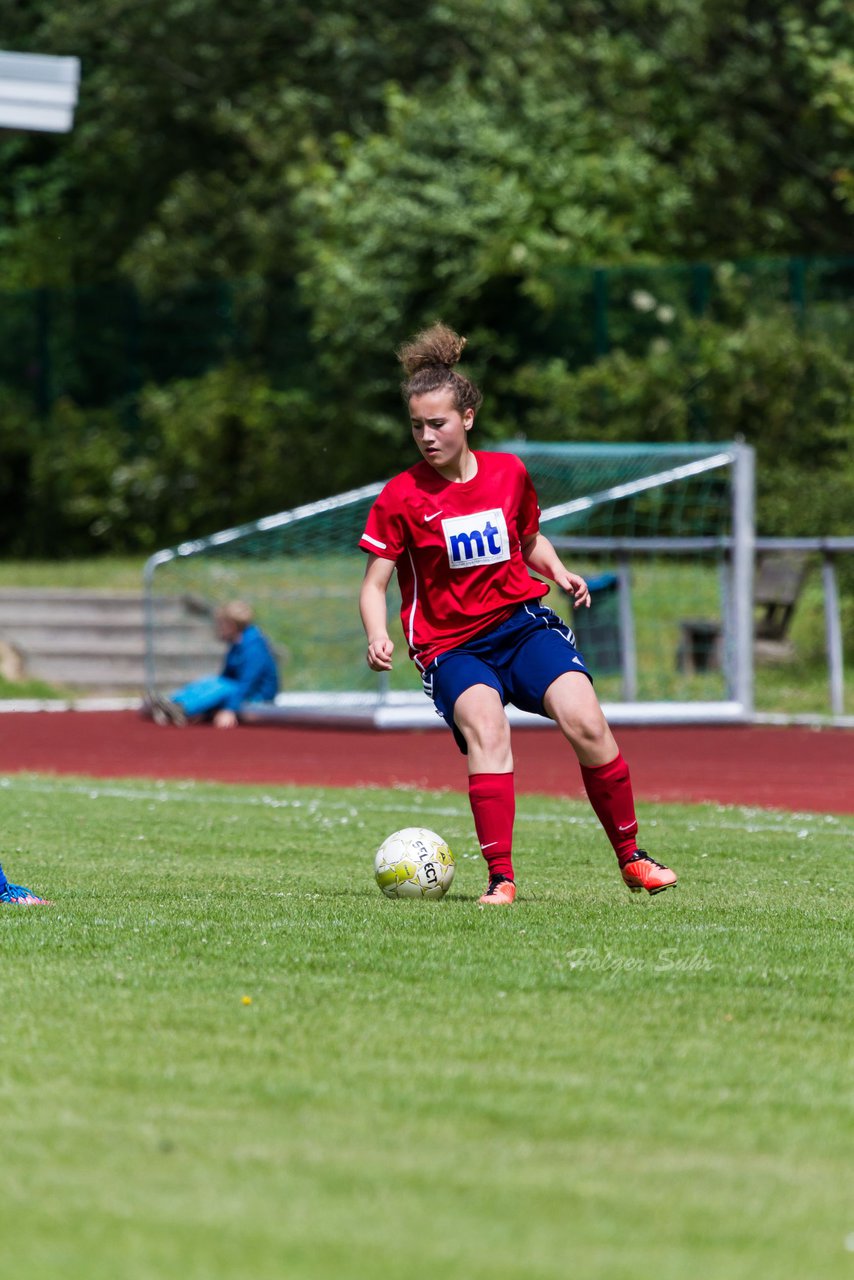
(480, 538)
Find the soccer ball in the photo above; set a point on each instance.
(414, 863)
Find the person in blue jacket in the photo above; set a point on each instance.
(249, 674)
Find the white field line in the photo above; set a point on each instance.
(727, 818)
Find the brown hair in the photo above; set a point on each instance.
(238, 612)
(428, 361)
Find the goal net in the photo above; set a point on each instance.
(663, 533)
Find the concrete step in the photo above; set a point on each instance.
(124, 645)
(93, 609)
(104, 640)
(79, 670)
(96, 640)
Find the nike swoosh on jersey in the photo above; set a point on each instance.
(427, 519)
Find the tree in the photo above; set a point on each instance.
(471, 160)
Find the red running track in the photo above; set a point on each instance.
(796, 768)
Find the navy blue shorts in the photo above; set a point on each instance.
(518, 659)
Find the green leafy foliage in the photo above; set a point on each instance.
(759, 378)
(204, 452)
(384, 166)
(241, 138)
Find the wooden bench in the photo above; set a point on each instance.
(778, 584)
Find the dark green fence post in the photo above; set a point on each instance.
(44, 398)
(227, 318)
(133, 377)
(701, 287)
(798, 289)
(601, 342)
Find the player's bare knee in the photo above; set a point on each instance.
(490, 737)
(589, 735)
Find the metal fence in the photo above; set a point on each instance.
(627, 553)
(100, 344)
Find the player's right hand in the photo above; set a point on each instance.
(380, 649)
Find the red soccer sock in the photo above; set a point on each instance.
(493, 804)
(609, 789)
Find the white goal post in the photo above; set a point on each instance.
(664, 533)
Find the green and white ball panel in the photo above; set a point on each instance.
(414, 863)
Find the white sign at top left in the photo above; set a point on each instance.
(38, 91)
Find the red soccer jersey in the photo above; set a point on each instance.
(457, 549)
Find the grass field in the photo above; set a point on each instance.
(97, 573)
(589, 1084)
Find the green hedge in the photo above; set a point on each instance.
(193, 455)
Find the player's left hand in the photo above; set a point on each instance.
(577, 589)
(225, 719)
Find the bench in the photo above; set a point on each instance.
(777, 587)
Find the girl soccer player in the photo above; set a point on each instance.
(462, 529)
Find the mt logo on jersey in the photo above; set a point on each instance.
(479, 538)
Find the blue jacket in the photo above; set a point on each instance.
(251, 665)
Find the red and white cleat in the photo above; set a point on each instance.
(501, 893)
(643, 872)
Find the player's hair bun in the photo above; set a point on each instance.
(428, 361)
(436, 347)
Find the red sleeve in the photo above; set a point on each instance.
(385, 530)
(529, 508)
